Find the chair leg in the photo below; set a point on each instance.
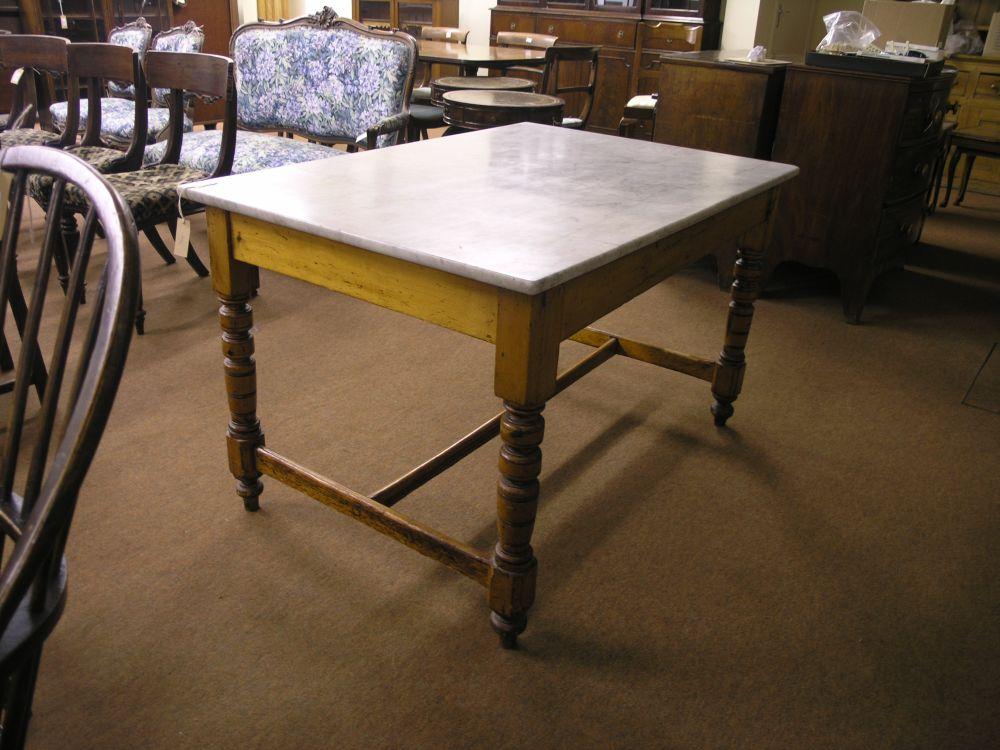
(951, 176)
(158, 245)
(970, 159)
(17, 703)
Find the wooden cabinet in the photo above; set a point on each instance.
(977, 96)
(219, 19)
(632, 37)
(866, 145)
(409, 15)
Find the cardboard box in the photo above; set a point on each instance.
(918, 23)
(992, 46)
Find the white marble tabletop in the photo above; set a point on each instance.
(523, 207)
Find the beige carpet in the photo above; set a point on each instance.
(824, 574)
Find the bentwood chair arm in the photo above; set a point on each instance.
(391, 124)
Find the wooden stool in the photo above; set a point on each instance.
(982, 141)
(476, 83)
(476, 110)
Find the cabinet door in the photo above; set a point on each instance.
(614, 72)
(505, 21)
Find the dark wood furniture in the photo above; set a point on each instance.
(866, 144)
(632, 36)
(441, 86)
(54, 458)
(982, 141)
(407, 15)
(476, 110)
(526, 41)
(471, 57)
(571, 75)
(425, 114)
(44, 61)
(711, 102)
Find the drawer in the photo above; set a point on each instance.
(923, 115)
(988, 87)
(911, 172)
(504, 21)
(961, 87)
(581, 31)
(670, 37)
(899, 228)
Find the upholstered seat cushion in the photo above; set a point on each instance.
(27, 137)
(254, 151)
(118, 119)
(3, 120)
(421, 95)
(426, 115)
(151, 192)
(40, 185)
(572, 122)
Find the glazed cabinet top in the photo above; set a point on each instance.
(696, 11)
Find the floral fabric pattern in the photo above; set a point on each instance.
(192, 40)
(328, 83)
(151, 193)
(118, 120)
(136, 38)
(254, 151)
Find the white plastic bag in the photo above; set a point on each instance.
(847, 31)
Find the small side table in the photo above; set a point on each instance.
(477, 110)
(476, 83)
(981, 141)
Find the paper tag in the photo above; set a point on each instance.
(63, 23)
(16, 78)
(182, 237)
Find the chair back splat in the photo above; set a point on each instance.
(42, 468)
(209, 77)
(43, 58)
(97, 64)
(324, 78)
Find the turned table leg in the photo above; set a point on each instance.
(512, 584)
(728, 377)
(244, 433)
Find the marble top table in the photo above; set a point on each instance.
(521, 236)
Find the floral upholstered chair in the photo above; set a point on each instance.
(43, 60)
(136, 36)
(118, 112)
(327, 79)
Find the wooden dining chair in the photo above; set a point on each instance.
(114, 96)
(151, 193)
(43, 467)
(572, 71)
(523, 40)
(423, 114)
(94, 66)
(45, 61)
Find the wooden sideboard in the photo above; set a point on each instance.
(977, 96)
(865, 145)
(632, 37)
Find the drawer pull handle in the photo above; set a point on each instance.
(621, 35)
(551, 29)
(513, 25)
(909, 231)
(922, 171)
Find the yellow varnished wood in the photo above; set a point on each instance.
(598, 292)
(461, 304)
(230, 278)
(527, 353)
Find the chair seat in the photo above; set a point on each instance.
(151, 192)
(572, 122)
(3, 120)
(421, 95)
(118, 119)
(643, 101)
(27, 137)
(254, 151)
(426, 116)
(101, 159)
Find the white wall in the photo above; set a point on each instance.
(474, 15)
(739, 24)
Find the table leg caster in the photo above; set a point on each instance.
(508, 629)
(722, 411)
